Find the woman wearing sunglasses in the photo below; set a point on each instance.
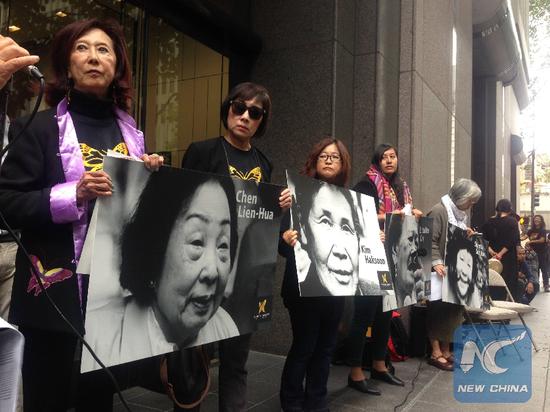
(245, 114)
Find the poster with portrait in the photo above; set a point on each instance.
(466, 261)
(409, 249)
(339, 251)
(177, 258)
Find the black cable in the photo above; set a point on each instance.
(37, 275)
(420, 362)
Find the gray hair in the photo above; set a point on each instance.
(464, 190)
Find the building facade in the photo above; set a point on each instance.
(443, 80)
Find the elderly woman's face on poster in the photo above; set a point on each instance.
(406, 257)
(332, 241)
(197, 263)
(464, 271)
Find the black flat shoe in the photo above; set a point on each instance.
(363, 386)
(386, 377)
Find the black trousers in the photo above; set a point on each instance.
(367, 310)
(314, 331)
(51, 375)
(544, 267)
(233, 373)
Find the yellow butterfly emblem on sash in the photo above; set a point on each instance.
(93, 158)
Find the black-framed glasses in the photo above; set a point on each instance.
(334, 157)
(255, 112)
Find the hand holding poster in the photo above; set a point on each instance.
(172, 264)
(408, 246)
(339, 251)
(466, 282)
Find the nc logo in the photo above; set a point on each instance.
(487, 356)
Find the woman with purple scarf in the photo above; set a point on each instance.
(391, 195)
(48, 186)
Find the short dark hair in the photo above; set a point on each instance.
(459, 241)
(62, 47)
(310, 167)
(146, 236)
(504, 206)
(248, 91)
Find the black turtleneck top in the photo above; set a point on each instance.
(96, 128)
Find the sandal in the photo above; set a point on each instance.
(441, 363)
(450, 358)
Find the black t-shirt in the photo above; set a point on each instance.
(536, 234)
(245, 164)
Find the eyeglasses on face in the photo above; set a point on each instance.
(334, 157)
(255, 112)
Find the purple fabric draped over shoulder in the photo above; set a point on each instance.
(63, 205)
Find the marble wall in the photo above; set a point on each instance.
(368, 72)
(435, 96)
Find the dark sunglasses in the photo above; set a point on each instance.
(239, 108)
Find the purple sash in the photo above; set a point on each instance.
(63, 205)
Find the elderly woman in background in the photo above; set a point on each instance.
(443, 318)
(48, 186)
(502, 233)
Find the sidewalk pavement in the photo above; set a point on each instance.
(432, 389)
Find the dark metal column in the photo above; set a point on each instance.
(483, 146)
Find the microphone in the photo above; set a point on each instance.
(34, 72)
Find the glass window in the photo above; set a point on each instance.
(33, 25)
(186, 83)
(181, 80)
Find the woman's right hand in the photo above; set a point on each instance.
(92, 185)
(440, 270)
(290, 237)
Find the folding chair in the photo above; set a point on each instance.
(493, 314)
(496, 280)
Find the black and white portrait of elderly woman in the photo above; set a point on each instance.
(330, 233)
(462, 267)
(404, 257)
(177, 252)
